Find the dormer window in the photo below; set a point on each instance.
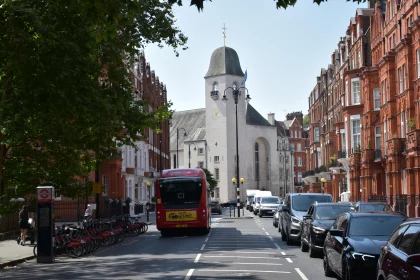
(214, 94)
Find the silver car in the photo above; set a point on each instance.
(276, 216)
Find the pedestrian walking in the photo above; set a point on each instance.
(88, 213)
(23, 224)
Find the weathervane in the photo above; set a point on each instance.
(224, 34)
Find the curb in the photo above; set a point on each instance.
(15, 262)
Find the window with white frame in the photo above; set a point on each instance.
(200, 151)
(355, 91)
(299, 147)
(316, 134)
(355, 126)
(377, 137)
(105, 184)
(319, 156)
(346, 96)
(385, 132)
(343, 140)
(404, 77)
(404, 123)
(299, 177)
(216, 174)
(201, 164)
(418, 63)
(376, 99)
(299, 161)
(216, 159)
(400, 80)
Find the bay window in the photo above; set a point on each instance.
(355, 91)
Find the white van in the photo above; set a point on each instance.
(250, 193)
(257, 199)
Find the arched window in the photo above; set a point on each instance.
(257, 163)
(234, 86)
(215, 86)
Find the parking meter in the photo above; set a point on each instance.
(45, 215)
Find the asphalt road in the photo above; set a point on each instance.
(245, 248)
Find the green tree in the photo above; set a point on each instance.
(210, 178)
(58, 122)
(306, 119)
(279, 3)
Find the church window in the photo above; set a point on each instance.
(234, 86)
(200, 151)
(257, 164)
(201, 164)
(216, 159)
(215, 87)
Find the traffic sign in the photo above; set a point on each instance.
(97, 187)
(45, 194)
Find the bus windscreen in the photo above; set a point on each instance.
(179, 193)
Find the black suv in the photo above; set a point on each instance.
(296, 205)
(317, 222)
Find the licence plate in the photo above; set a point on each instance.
(181, 226)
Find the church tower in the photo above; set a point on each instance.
(224, 74)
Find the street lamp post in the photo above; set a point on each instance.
(177, 137)
(236, 93)
(148, 202)
(189, 153)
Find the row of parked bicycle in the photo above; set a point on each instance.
(76, 241)
(363, 240)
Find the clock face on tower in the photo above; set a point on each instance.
(216, 114)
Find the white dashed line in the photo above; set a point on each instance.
(271, 238)
(202, 247)
(207, 239)
(301, 274)
(283, 253)
(289, 260)
(237, 270)
(278, 247)
(267, 233)
(197, 258)
(190, 272)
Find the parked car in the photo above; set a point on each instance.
(372, 206)
(295, 206)
(233, 202)
(316, 224)
(276, 215)
(353, 244)
(268, 205)
(400, 257)
(215, 207)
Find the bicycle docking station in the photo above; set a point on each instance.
(45, 225)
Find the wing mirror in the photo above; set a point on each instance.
(337, 232)
(306, 217)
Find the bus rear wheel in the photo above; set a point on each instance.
(164, 232)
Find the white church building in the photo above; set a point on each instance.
(208, 137)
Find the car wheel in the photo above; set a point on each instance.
(283, 234)
(288, 240)
(312, 252)
(303, 246)
(345, 274)
(260, 214)
(327, 270)
(276, 224)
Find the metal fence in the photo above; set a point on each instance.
(401, 203)
(377, 198)
(9, 222)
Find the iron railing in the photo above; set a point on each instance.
(342, 154)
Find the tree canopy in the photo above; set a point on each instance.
(279, 3)
(210, 179)
(57, 121)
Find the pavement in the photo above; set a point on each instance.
(245, 248)
(12, 254)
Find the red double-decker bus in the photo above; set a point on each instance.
(182, 201)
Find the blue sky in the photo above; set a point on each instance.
(283, 50)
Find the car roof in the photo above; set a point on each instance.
(373, 202)
(309, 194)
(410, 221)
(376, 213)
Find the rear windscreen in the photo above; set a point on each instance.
(179, 193)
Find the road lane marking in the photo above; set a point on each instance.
(202, 247)
(273, 253)
(190, 272)
(197, 258)
(240, 257)
(283, 253)
(207, 239)
(248, 263)
(289, 260)
(271, 238)
(301, 274)
(278, 247)
(208, 234)
(242, 270)
(267, 233)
